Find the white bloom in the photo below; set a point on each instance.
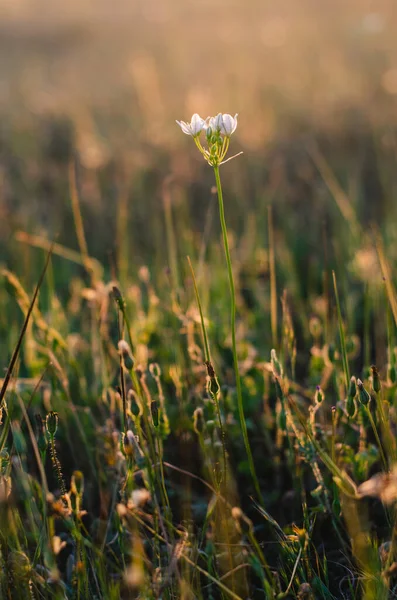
(229, 124)
(215, 123)
(225, 124)
(194, 128)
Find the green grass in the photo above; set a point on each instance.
(121, 383)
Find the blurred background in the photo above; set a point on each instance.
(102, 83)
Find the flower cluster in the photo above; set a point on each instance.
(217, 132)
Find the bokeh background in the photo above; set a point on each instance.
(102, 83)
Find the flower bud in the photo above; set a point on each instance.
(319, 395)
(352, 387)
(376, 384)
(51, 423)
(363, 395)
(126, 354)
(277, 368)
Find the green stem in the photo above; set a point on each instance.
(243, 423)
(382, 454)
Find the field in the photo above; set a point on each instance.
(198, 396)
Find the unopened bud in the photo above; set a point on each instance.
(376, 384)
(319, 395)
(352, 387)
(51, 423)
(277, 368)
(363, 395)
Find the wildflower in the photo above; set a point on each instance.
(194, 128)
(229, 124)
(224, 124)
(217, 132)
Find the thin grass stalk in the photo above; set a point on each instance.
(243, 423)
(341, 334)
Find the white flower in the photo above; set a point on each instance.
(194, 128)
(229, 124)
(225, 124)
(215, 123)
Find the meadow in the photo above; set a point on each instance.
(198, 399)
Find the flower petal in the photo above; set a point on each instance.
(185, 127)
(229, 124)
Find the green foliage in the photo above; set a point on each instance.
(130, 461)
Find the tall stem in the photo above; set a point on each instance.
(243, 423)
